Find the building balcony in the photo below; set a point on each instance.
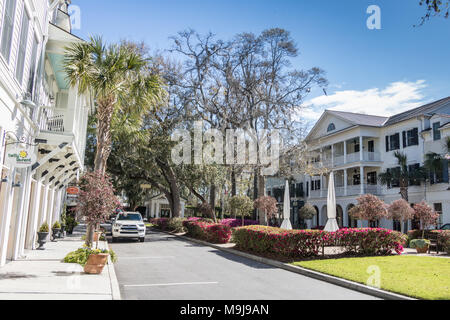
(350, 190)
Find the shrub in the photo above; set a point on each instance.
(160, 223)
(44, 228)
(175, 225)
(242, 205)
(371, 242)
(285, 243)
(211, 232)
(234, 223)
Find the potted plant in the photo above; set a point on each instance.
(307, 212)
(42, 235)
(421, 245)
(71, 223)
(92, 260)
(56, 228)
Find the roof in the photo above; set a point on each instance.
(428, 108)
(360, 119)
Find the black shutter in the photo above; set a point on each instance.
(387, 143)
(397, 141)
(416, 136)
(405, 143)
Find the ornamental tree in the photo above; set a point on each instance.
(242, 204)
(370, 208)
(268, 205)
(96, 201)
(307, 212)
(427, 216)
(400, 210)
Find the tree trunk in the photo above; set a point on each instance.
(212, 200)
(261, 193)
(104, 115)
(233, 183)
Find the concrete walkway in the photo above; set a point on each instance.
(42, 276)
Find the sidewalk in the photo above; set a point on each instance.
(42, 276)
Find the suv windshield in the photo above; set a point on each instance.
(129, 217)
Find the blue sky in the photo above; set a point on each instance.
(372, 71)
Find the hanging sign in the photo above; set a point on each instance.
(19, 157)
(73, 190)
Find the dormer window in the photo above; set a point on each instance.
(331, 127)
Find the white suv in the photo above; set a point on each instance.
(128, 225)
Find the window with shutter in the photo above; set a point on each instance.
(7, 28)
(405, 143)
(22, 46)
(387, 144)
(33, 65)
(436, 131)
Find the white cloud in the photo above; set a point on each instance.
(395, 98)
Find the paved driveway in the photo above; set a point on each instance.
(166, 268)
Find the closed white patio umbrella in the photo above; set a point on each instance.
(332, 224)
(286, 209)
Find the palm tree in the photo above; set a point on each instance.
(119, 78)
(403, 175)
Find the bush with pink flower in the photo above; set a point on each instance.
(234, 223)
(211, 232)
(370, 241)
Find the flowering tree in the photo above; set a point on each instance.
(268, 205)
(400, 210)
(370, 208)
(427, 216)
(242, 204)
(96, 201)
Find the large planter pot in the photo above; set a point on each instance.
(61, 232)
(42, 239)
(55, 233)
(422, 250)
(96, 263)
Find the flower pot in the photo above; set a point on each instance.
(42, 239)
(96, 263)
(55, 233)
(422, 250)
(61, 232)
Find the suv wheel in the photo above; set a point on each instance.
(114, 239)
(142, 239)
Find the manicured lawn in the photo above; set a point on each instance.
(418, 277)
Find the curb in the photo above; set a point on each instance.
(115, 289)
(305, 272)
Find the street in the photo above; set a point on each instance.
(166, 268)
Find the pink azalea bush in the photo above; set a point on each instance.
(369, 241)
(285, 243)
(234, 223)
(211, 232)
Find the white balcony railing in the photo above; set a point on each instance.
(372, 156)
(351, 190)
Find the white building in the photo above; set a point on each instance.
(158, 207)
(40, 114)
(358, 147)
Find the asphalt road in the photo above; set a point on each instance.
(169, 268)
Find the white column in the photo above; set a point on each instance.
(361, 152)
(30, 242)
(345, 151)
(332, 155)
(361, 170)
(44, 204)
(345, 182)
(51, 203)
(22, 214)
(6, 196)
